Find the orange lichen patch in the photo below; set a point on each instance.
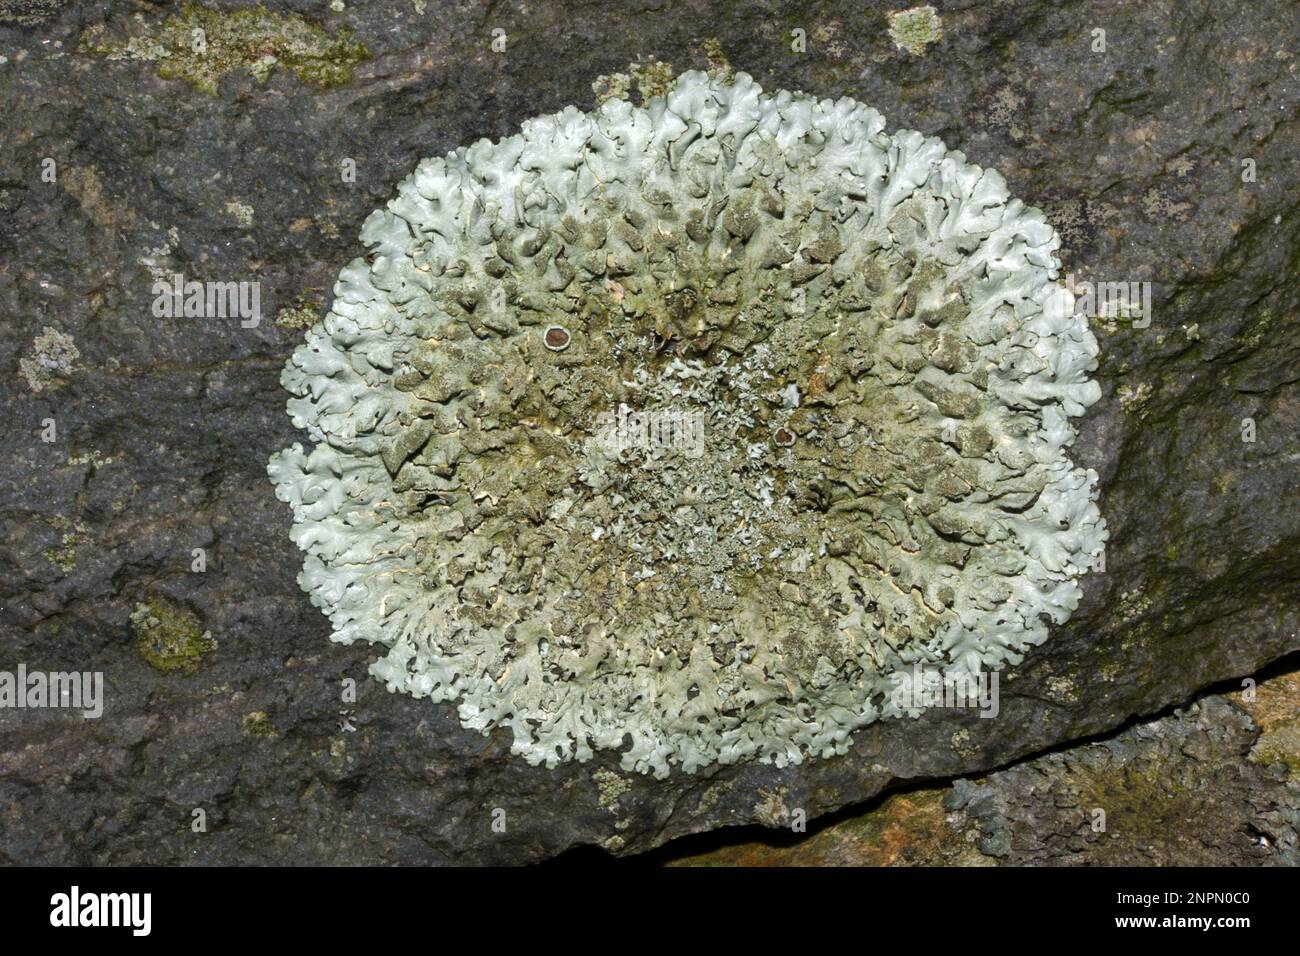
(1276, 710)
(905, 829)
(817, 380)
(1276, 700)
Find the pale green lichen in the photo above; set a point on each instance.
(72, 535)
(240, 212)
(611, 787)
(201, 45)
(653, 78)
(915, 29)
(298, 316)
(772, 810)
(94, 457)
(1134, 399)
(719, 65)
(611, 86)
(169, 637)
(52, 359)
(64, 557)
(865, 325)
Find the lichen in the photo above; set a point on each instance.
(257, 723)
(94, 458)
(169, 637)
(1275, 708)
(611, 86)
(1134, 399)
(1281, 745)
(72, 535)
(771, 809)
(653, 78)
(53, 356)
(915, 29)
(301, 315)
(611, 786)
(251, 40)
(30, 12)
(240, 212)
(865, 325)
(719, 65)
(903, 829)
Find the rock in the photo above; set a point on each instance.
(1167, 162)
(1206, 785)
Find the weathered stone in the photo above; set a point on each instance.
(163, 426)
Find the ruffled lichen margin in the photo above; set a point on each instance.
(783, 267)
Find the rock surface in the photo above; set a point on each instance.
(1168, 157)
(1214, 783)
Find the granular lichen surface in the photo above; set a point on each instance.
(201, 45)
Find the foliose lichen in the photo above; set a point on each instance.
(863, 325)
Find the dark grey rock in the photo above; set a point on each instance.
(1181, 790)
(164, 425)
(1203, 785)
